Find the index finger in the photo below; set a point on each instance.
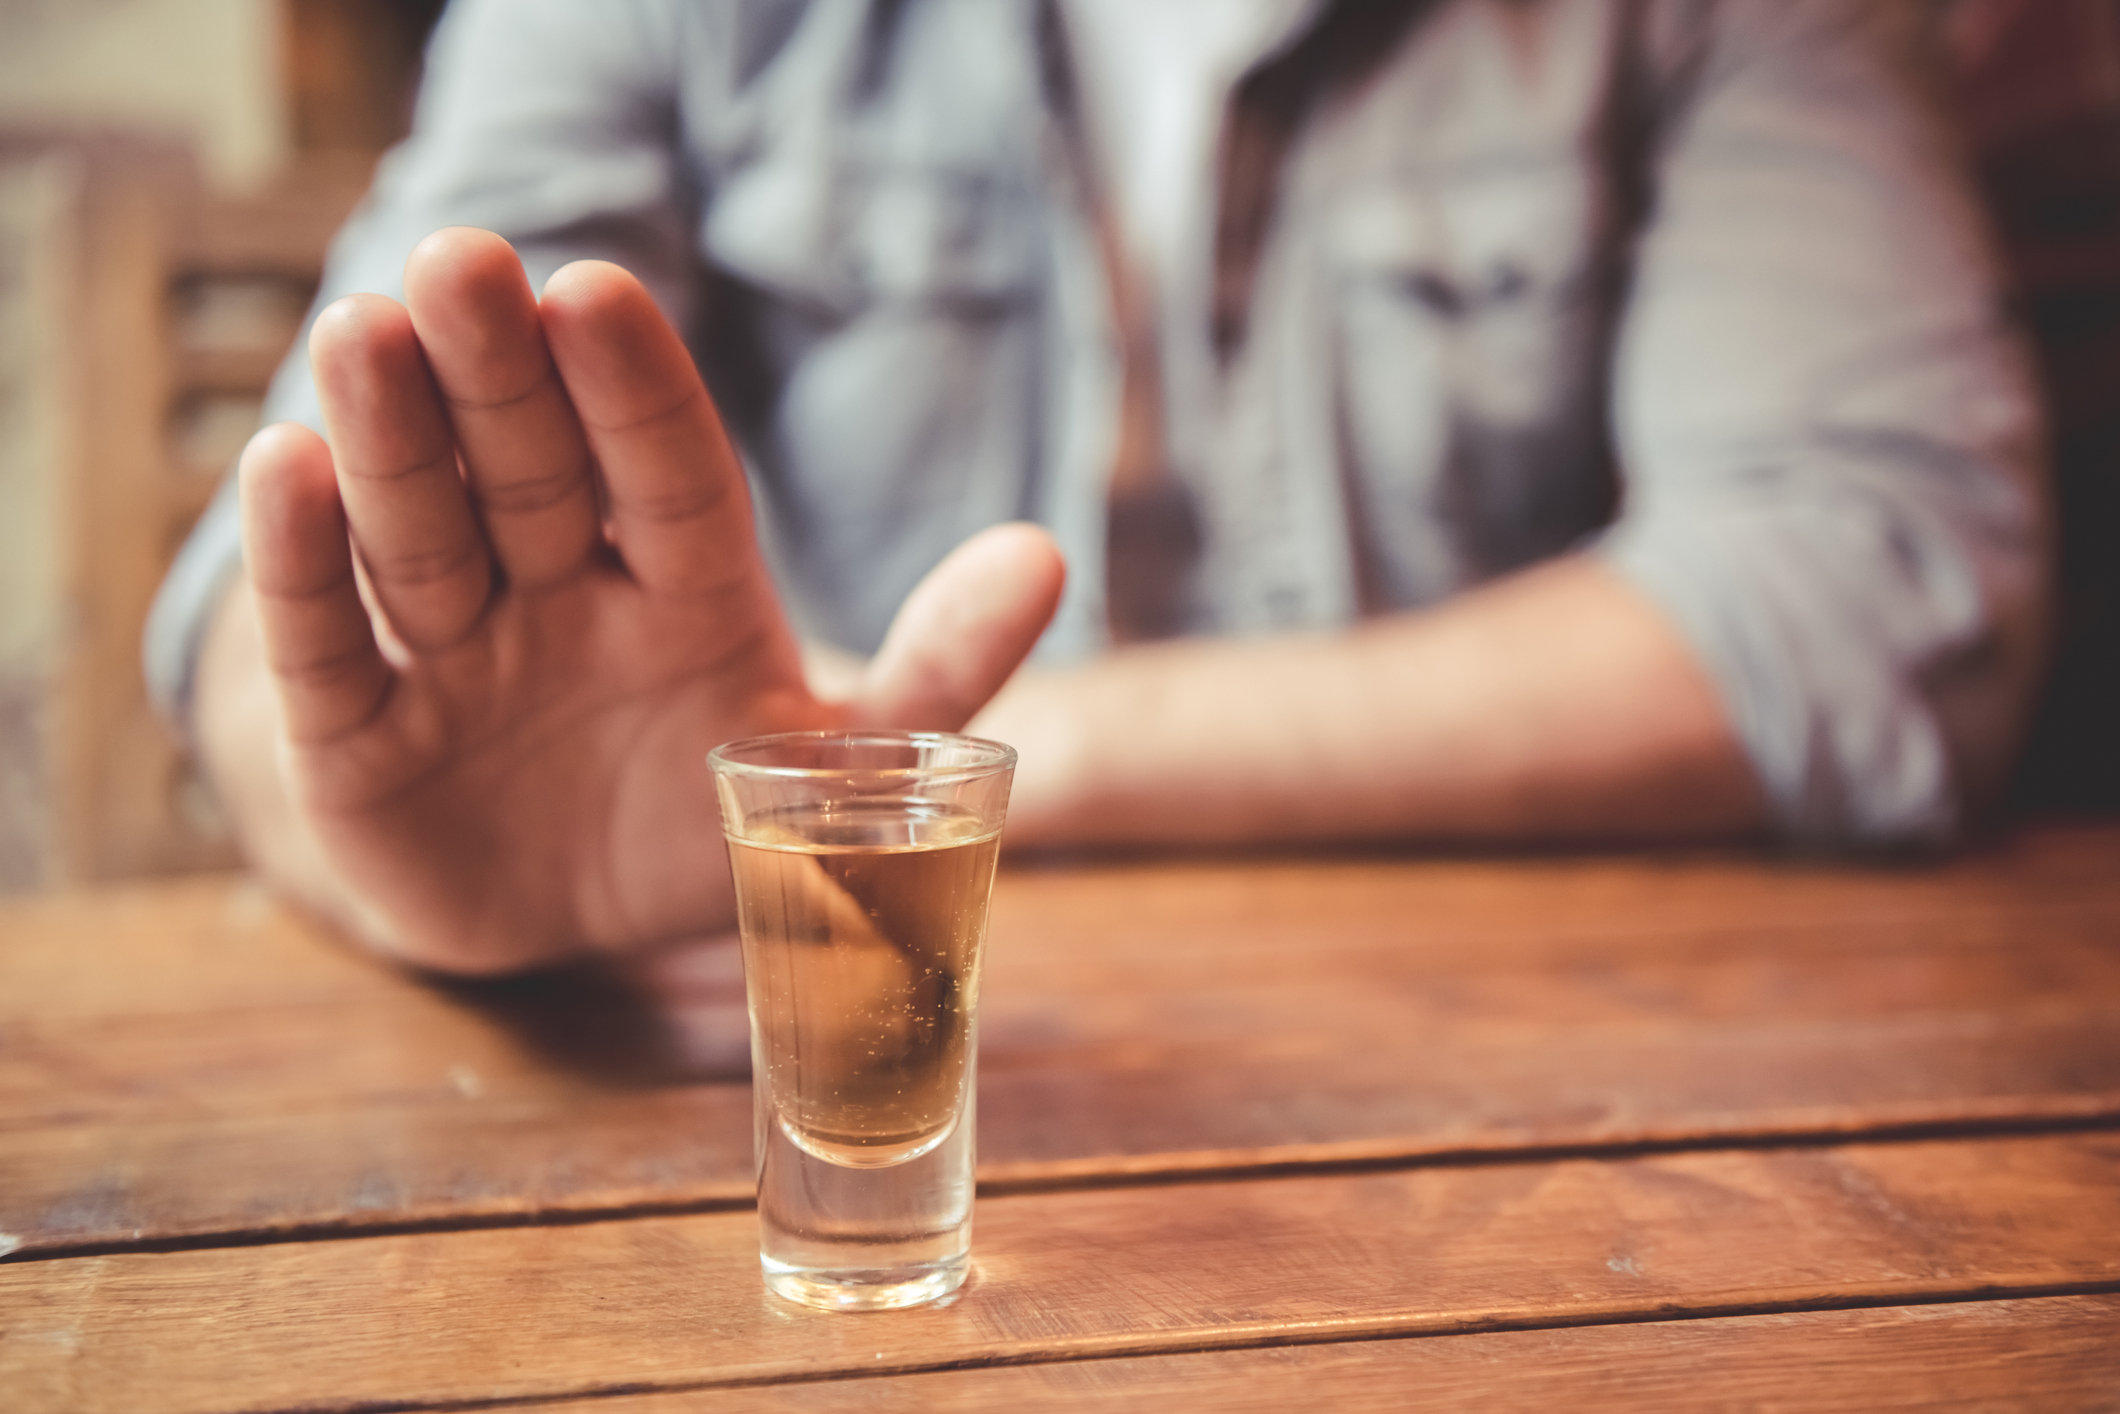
(679, 509)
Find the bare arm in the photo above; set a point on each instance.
(1557, 704)
(1553, 705)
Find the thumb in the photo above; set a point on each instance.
(963, 630)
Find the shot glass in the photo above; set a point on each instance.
(864, 862)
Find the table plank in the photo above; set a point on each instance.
(2060, 1352)
(185, 1062)
(666, 1303)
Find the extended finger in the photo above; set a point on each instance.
(963, 630)
(318, 644)
(679, 511)
(396, 463)
(516, 433)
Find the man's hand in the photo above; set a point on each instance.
(514, 602)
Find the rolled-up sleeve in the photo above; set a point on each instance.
(549, 121)
(1828, 431)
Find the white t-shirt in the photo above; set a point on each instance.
(1155, 77)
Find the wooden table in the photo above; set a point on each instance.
(1257, 1134)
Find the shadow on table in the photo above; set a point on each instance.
(672, 1017)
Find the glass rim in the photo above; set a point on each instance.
(990, 757)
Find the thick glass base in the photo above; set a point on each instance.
(865, 1289)
(839, 1238)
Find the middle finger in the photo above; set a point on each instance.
(522, 446)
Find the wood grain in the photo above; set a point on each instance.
(2052, 1353)
(669, 1303)
(187, 1060)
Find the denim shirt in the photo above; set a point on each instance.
(1691, 285)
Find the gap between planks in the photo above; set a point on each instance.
(1265, 1336)
(2076, 1115)
(2041, 1352)
(471, 1319)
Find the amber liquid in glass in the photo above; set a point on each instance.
(861, 936)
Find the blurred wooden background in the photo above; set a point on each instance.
(143, 307)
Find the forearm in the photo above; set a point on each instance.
(1557, 704)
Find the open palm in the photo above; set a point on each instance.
(500, 748)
